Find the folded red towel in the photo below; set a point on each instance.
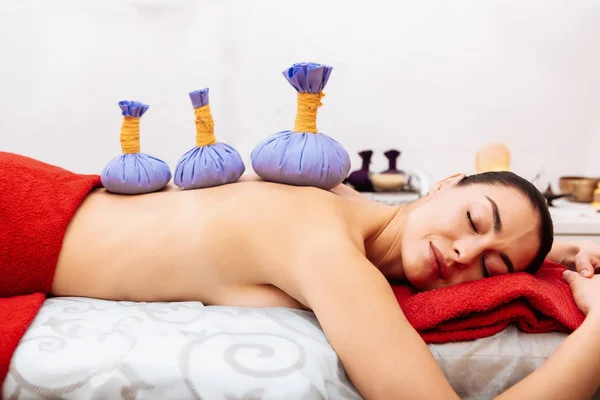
(37, 201)
(473, 310)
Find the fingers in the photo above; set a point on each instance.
(595, 260)
(587, 272)
(584, 266)
(570, 277)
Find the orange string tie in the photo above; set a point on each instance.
(306, 113)
(205, 126)
(130, 135)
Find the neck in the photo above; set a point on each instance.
(383, 249)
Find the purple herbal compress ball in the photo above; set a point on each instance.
(209, 163)
(300, 158)
(134, 172)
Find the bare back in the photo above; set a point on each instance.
(229, 245)
(256, 244)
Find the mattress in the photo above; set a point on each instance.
(80, 348)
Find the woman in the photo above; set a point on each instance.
(261, 244)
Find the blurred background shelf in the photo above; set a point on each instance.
(575, 220)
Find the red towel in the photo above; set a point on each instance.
(37, 201)
(473, 310)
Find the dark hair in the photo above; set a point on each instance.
(535, 197)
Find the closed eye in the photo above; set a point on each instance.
(483, 266)
(471, 221)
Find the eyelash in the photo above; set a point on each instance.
(486, 274)
(471, 221)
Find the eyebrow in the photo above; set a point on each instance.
(498, 229)
(497, 220)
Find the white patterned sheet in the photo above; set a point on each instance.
(80, 348)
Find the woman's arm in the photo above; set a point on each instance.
(386, 358)
(564, 252)
(573, 370)
(582, 256)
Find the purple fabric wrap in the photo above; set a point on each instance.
(207, 166)
(308, 77)
(302, 158)
(135, 173)
(133, 108)
(199, 98)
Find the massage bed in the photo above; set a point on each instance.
(81, 348)
(77, 348)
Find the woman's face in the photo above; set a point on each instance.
(462, 234)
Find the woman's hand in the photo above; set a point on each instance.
(586, 292)
(582, 256)
(587, 259)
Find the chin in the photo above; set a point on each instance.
(421, 284)
(414, 274)
(418, 271)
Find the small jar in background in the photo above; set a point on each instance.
(596, 197)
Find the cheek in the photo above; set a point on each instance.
(418, 224)
(412, 238)
(434, 220)
(467, 275)
(524, 255)
(408, 254)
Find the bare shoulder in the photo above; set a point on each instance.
(354, 303)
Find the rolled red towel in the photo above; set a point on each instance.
(37, 201)
(536, 304)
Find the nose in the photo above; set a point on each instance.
(467, 251)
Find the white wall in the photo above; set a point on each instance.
(433, 78)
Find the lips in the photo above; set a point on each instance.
(433, 259)
(438, 261)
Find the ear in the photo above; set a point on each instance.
(446, 183)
